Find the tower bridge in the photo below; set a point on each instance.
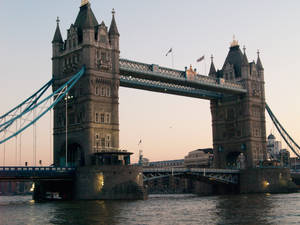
(86, 127)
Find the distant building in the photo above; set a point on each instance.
(15, 188)
(273, 148)
(167, 163)
(295, 163)
(284, 157)
(200, 158)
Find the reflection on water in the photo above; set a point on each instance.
(158, 209)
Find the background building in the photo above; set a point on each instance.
(273, 147)
(200, 158)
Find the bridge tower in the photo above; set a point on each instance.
(239, 129)
(91, 107)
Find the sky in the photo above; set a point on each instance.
(169, 126)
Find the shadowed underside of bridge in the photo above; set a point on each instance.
(224, 176)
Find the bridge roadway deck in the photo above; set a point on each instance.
(160, 79)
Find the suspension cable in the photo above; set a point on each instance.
(286, 137)
(59, 94)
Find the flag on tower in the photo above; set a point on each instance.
(169, 51)
(200, 59)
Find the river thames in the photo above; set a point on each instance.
(252, 209)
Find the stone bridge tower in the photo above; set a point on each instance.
(239, 130)
(92, 106)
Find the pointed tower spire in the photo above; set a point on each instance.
(57, 36)
(245, 59)
(86, 18)
(258, 62)
(212, 70)
(113, 30)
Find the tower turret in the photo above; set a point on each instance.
(57, 46)
(212, 70)
(245, 64)
(114, 33)
(259, 67)
(114, 37)
(258, 62)
(57, 41)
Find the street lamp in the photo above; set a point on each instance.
(66, 99)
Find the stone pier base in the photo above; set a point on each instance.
(266, 180)
(109, 182)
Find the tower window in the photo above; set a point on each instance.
(103, 91)
(103, 142)
(102, 118)
(103, 56)
(97, 118)
(97, 90)
(108, 141)
(107, 118)
(108, 91)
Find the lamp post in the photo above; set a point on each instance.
(66, 99)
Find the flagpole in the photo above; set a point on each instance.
(172, 59)
(204, 66)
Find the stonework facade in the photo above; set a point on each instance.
(93, 104)
(239, 121)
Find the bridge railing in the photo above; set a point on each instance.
(196, 170)
(28, 168)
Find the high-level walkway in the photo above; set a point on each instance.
(165, 80)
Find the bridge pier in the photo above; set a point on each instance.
(109, 182)
(266, 180)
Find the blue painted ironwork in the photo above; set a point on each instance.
(30, 101)
(169, 88)
(284, 134)
(154, 72)
(60, 93)
(36, 173)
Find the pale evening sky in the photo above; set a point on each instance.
(169, 126)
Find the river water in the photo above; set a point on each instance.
(252, 209)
